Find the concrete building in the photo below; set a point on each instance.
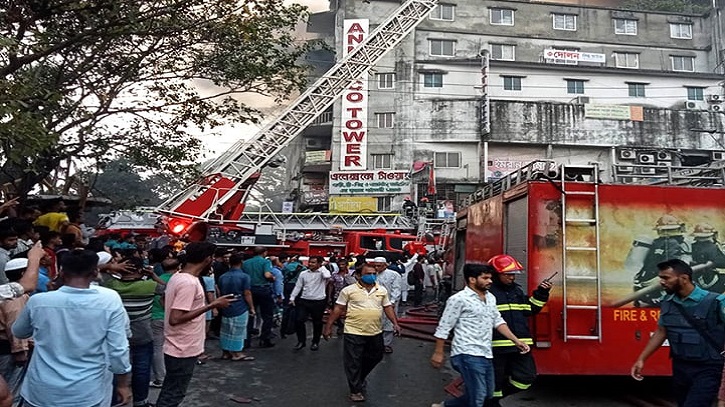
(575, 81)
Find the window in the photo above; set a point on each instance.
(575, 86)
(681, 31)
(382, 161)
(503, 52)
(626, 60)
(384, 204)
(447, 160)
(385, 120)
(511, 83)
(386, 80)
(442, 48)
(694, 93)
(683, 64)
(564, 22)
(636, 90)
(502, 16)
(445, 12)
(433, 80)
(625, 27)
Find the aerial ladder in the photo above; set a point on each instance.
(218, 197)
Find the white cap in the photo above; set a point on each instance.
(16, 264)
(103, 258)
(380, 259)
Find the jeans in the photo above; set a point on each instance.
(360, 355)
(477, 374)
(306, 309)
(178, 375)
(159, 371)
(262, 298)
(695, 384)
(141, 358)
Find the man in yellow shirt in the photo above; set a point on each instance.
(54, 217)
(365, 302)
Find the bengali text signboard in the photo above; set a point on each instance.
(369, 182)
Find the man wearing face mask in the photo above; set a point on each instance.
(364, 302)
(693, 321)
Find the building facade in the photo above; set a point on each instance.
(479, 89)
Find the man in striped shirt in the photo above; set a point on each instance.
(137, 295)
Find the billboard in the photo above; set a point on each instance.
(369, 182)
(353, 204)
(353, 133)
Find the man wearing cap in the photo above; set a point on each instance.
(13, 351)
(513, 371)
(392, 282)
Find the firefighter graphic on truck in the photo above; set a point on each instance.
(700, 249)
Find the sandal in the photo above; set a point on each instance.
(356, 397)
(243, 359)
(388, 349)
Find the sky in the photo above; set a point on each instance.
(228, 135)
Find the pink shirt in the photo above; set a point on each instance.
(184, 292)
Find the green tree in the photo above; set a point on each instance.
(121, 183)
(97, 80)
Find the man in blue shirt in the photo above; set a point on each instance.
(259, 269)
(80, 334)
(235, 317)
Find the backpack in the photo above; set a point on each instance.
(411, 278)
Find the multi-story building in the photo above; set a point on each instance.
(479, 89)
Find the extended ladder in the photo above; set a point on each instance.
(329, 221)
(581, 263)
(219, 196)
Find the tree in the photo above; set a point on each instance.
(675, 6)
(121, 183)
(102, 79)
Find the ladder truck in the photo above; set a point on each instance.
(213, 207)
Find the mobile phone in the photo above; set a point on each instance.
(548, 279)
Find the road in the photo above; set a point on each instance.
(281, 377)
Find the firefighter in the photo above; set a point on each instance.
(513, 370)
(669, 244)
(705, 249)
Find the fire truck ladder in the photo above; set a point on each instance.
(327, 221)
(219, 196)
(580, 247)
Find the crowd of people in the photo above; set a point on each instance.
(99, 320)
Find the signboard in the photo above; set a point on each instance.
(314, 197)
(613, 112)
(317, 156)
(353, 204)
(288, 207)
(369, 182)
(574, 56)
(498, 168)
(353, 137)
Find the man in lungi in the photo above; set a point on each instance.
(235, 317)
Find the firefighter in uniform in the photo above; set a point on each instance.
(705, 249)
(670, 244)
(513, 371)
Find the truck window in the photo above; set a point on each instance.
(396, 243)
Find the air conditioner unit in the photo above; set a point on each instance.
(716, 108)
(664, 156)
(627, 154)
(714, 99)
(624, 169)
(717, 155)
(647, 171)
(313, 143)
(693, 105)
(645, 158)
(582, 100)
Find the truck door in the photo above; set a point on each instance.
(516, 233)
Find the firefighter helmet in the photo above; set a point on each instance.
(669, 223)
(704, 230)
(505, 264)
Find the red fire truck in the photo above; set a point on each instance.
(603, 240)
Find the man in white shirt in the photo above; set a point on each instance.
(472, 315)
(312, 283)
(391, 280)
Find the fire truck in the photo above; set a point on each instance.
(213, 207)
(601, 242)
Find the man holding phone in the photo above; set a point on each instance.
(513, 370)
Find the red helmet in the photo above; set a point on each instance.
(505, 264)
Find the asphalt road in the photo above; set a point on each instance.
(281, 377)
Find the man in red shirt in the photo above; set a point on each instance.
(184, 322)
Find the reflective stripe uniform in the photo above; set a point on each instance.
(514, 371)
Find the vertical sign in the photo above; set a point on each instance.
(353, 137)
